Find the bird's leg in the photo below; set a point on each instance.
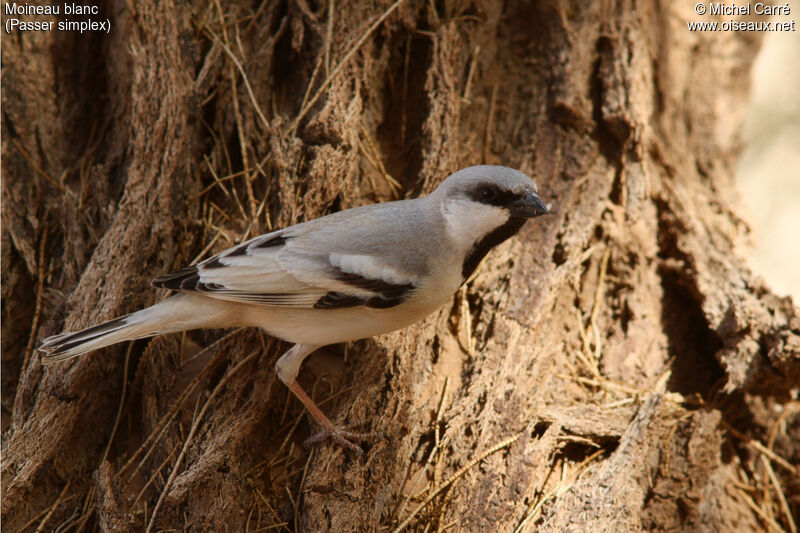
(287, 368)
(341, 435)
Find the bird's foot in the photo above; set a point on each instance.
(345, 436)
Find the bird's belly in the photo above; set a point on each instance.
(329, 326)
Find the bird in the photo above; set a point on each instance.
(350, 275)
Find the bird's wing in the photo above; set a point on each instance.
(300, 266)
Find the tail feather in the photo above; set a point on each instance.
(179, 313)
(68, 345)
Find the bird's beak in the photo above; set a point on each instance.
(528, 207)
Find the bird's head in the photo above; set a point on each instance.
(478, 201)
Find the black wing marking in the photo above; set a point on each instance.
(214, 262)
(272, 242)
(185, 279)
(188, 278)
(337, 300)
(239, 250)
(386, 294)
(277, 240)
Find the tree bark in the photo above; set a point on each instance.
(614, 367)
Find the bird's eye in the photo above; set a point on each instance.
(488, 193)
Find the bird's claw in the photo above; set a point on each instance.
(345, 437)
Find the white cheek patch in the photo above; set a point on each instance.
(468, 221)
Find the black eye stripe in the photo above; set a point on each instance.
(498, 197)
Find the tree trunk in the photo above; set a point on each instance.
(614, 367)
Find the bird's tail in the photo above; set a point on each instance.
(179, 313)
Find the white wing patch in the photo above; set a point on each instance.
(369, 267)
